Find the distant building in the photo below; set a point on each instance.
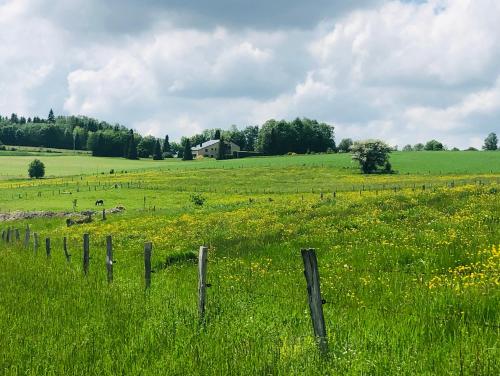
(210, 149)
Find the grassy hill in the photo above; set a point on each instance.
(409, 267)
(14, 165)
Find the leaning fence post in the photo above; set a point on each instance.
(109, 258)
(47, 246)
(65, 248)
(147, 263)
(202, 280)
(27, 237)
(86, 255)
(311, 274)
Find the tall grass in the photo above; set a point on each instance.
(410, 278)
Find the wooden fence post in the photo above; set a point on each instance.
(103, 214)
(86, 253)
(202, 280)
(18, 236)
(27, 237)
(147, 263)
(65, 249)
(109, 258)
(47, 246)
(35, 243)
(9, 235)
(311, 274)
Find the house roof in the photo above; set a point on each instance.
(206, 144)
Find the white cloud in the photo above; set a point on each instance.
(409, 44)
(410, 60)
(29, 55)
(403, 71)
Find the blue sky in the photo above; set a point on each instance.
(403, 71)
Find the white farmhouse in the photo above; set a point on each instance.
(210, 149)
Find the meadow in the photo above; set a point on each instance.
(409, 266)
(13, 165)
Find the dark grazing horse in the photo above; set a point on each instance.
(99, 202)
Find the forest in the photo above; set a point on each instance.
(274, 137)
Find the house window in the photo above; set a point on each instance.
(206, 150)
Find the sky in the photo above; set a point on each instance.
(402, 71)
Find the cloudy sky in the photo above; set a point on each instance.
(404, 71)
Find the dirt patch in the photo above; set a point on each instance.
(17, 215)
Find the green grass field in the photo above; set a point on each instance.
(13, 165)
(409, 266)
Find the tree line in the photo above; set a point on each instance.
(274, 137)
(77, 133)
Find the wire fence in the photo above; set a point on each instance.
(255, 288)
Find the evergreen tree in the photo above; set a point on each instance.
(188, 154)
(132, 147)
(222, 149)
(97, 151)
(51, 118)
(157, 155)
(166, 145)
(217, 134)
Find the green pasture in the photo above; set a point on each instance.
(13, 165)
(409, 267)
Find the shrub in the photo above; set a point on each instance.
(36, 169)
(371, 155)
(198, 199)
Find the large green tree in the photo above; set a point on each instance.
(372, 155)
(433, 145)
(146, 147)
(299, 136)
(491, 142)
